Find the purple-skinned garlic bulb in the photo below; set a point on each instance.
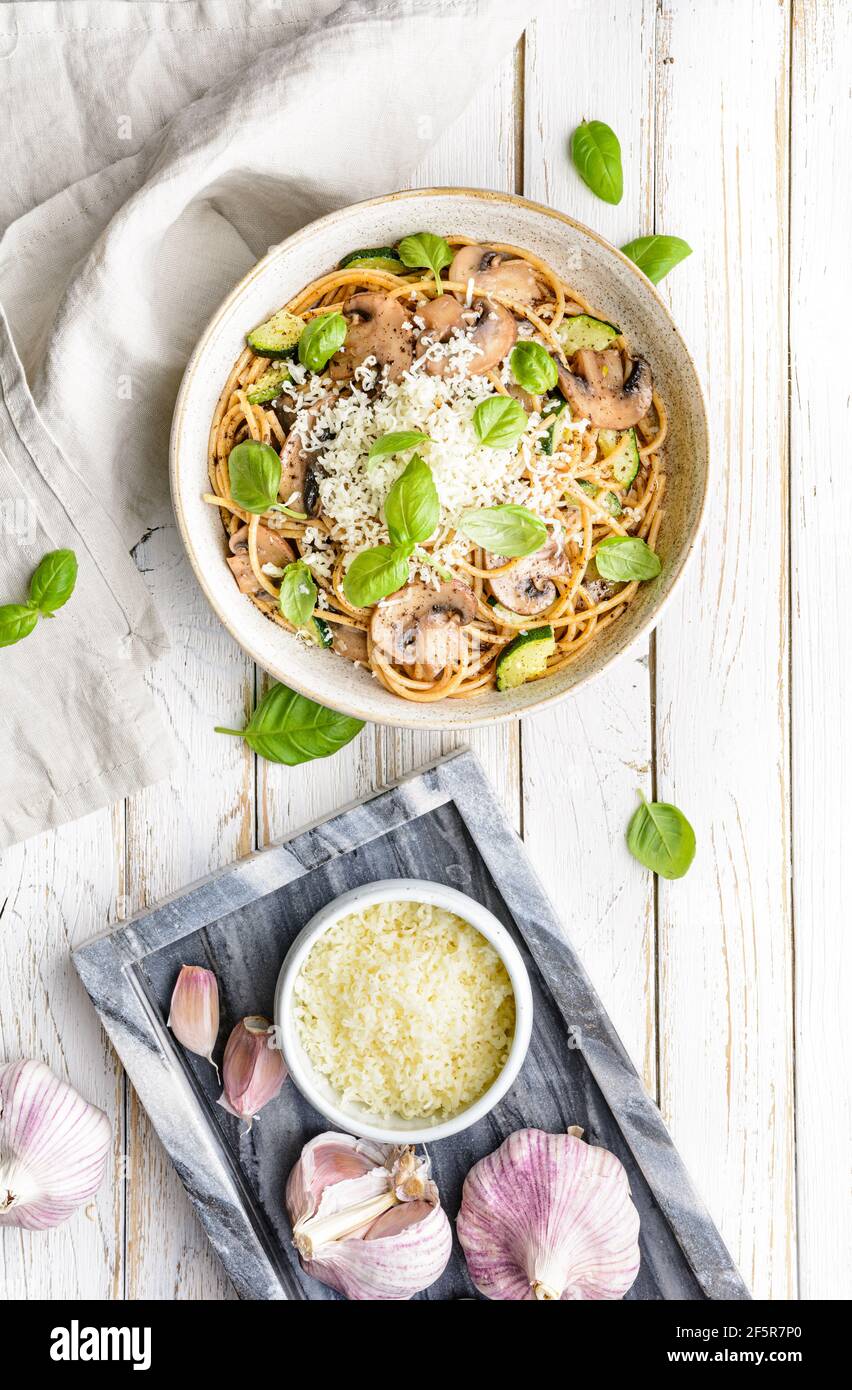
(194, 1013)
(253, 1068)
(54, 1147)
(547, 1216)
(367, 1219)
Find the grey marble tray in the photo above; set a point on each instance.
(442, 824)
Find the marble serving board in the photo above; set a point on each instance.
(446, 825)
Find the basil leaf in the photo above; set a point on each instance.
(396, 443)
(289, 728)
(510, 530)
(661, 838)
(53, 582)
(255, 473)
(533, 368)
(597, 158)
(499, 421)
(412, 508)
(297, 596)
(374, 574)
(426, 249)
(17, 621)
(320, 340)
(625, 558)
(657, 255)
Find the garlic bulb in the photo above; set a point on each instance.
(53, 1147)
(253, 1069)
(194, 1013)
(367, 1218)
(547, 1216)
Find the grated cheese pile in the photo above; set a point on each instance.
(406, 1009)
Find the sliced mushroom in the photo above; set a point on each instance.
(528, 586)
(299, 487)
(493, 330)
(495, 272)
(598, 389)
(440, 316)
(350, 642)
(376, 328)
(272, 549)
(420, 627)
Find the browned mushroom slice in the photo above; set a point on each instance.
(376, 327)
(420, 627)
(350, 642)
(597, 388)
(240, 567)
(493, 330)
(440, 317)
(272, 549)
(528, 586)
(299, 488)
(495, 272)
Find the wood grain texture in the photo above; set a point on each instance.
(585, 761)
(726, 1077)
(821, 517)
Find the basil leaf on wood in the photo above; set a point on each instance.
(426, 249)
(625, 558)
(255, 473)
(533, 368)
(376, 573)
(53, 582)
(17, 621)
(321, 339)
(657, 255)
(509, 530)
(289, 728)
(597, 158)
(661, 838)
(499, 421)
(396, 443)
(412, 508)
(297, 596)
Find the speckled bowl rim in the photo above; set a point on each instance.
(433, 720)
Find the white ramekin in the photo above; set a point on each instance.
(316, 1089)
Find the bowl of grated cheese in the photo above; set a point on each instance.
(404, 1011)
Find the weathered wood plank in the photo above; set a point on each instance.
(821, 516)
(584, 761)
(726, 1081)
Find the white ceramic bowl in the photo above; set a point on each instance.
(316, 1089)
(611, 283)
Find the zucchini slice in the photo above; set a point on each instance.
(319, 632)
(608, 500)
(268, 386)
(582, 331)
(277, 335)
(375, 258)
(621, 452)
(525, 657)
(554, 405)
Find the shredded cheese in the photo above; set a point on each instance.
(406, 1009)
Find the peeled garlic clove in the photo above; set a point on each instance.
(547, 1216)
(253, 1069)
(343, 1197)
(194, 1014)
(53, 1147)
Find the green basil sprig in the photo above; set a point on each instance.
(657, 255)
(289, 728)
(509, 530)
(321, 339)
(51, 586)
(426, 249)
(412, 511)
(597, 157)
(255, 473)
(499, 421)
(297, 596)
(396, 443)
(533, 368)
(661, 838)
(625, 558)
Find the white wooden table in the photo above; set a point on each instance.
(729, 986)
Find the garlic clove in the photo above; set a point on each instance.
(398, 1218)
(54, 1147)
(548, 1216)
(194, 1013)
(326, 1162)
(253, 1068)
